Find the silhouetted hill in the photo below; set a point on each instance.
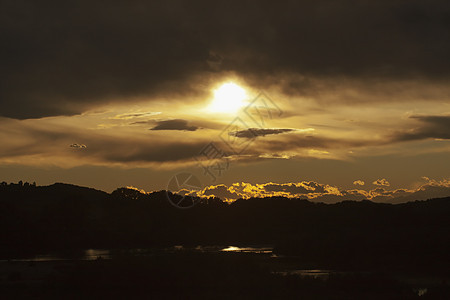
(349, 234)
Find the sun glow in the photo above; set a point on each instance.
(228, 98)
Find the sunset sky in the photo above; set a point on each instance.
(325, 100)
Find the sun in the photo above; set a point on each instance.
(228, 98)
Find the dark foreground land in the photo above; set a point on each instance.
(377, 251)
(190, 275)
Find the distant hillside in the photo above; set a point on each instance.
(65, 218)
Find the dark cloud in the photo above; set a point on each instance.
(255, 132)
(63, 57)
(296, 142)
(135, 115)
(437, 127)
(175, 124)
(199, 124)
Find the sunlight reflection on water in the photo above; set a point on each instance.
(248, 249)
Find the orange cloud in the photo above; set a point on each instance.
(381, 182)
(319, 192)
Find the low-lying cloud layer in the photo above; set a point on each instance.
(319, 192)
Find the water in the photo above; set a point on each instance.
(90, 254)
(321, 274)
(94, 254)
(266, 252)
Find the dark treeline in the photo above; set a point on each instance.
(347, 235)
